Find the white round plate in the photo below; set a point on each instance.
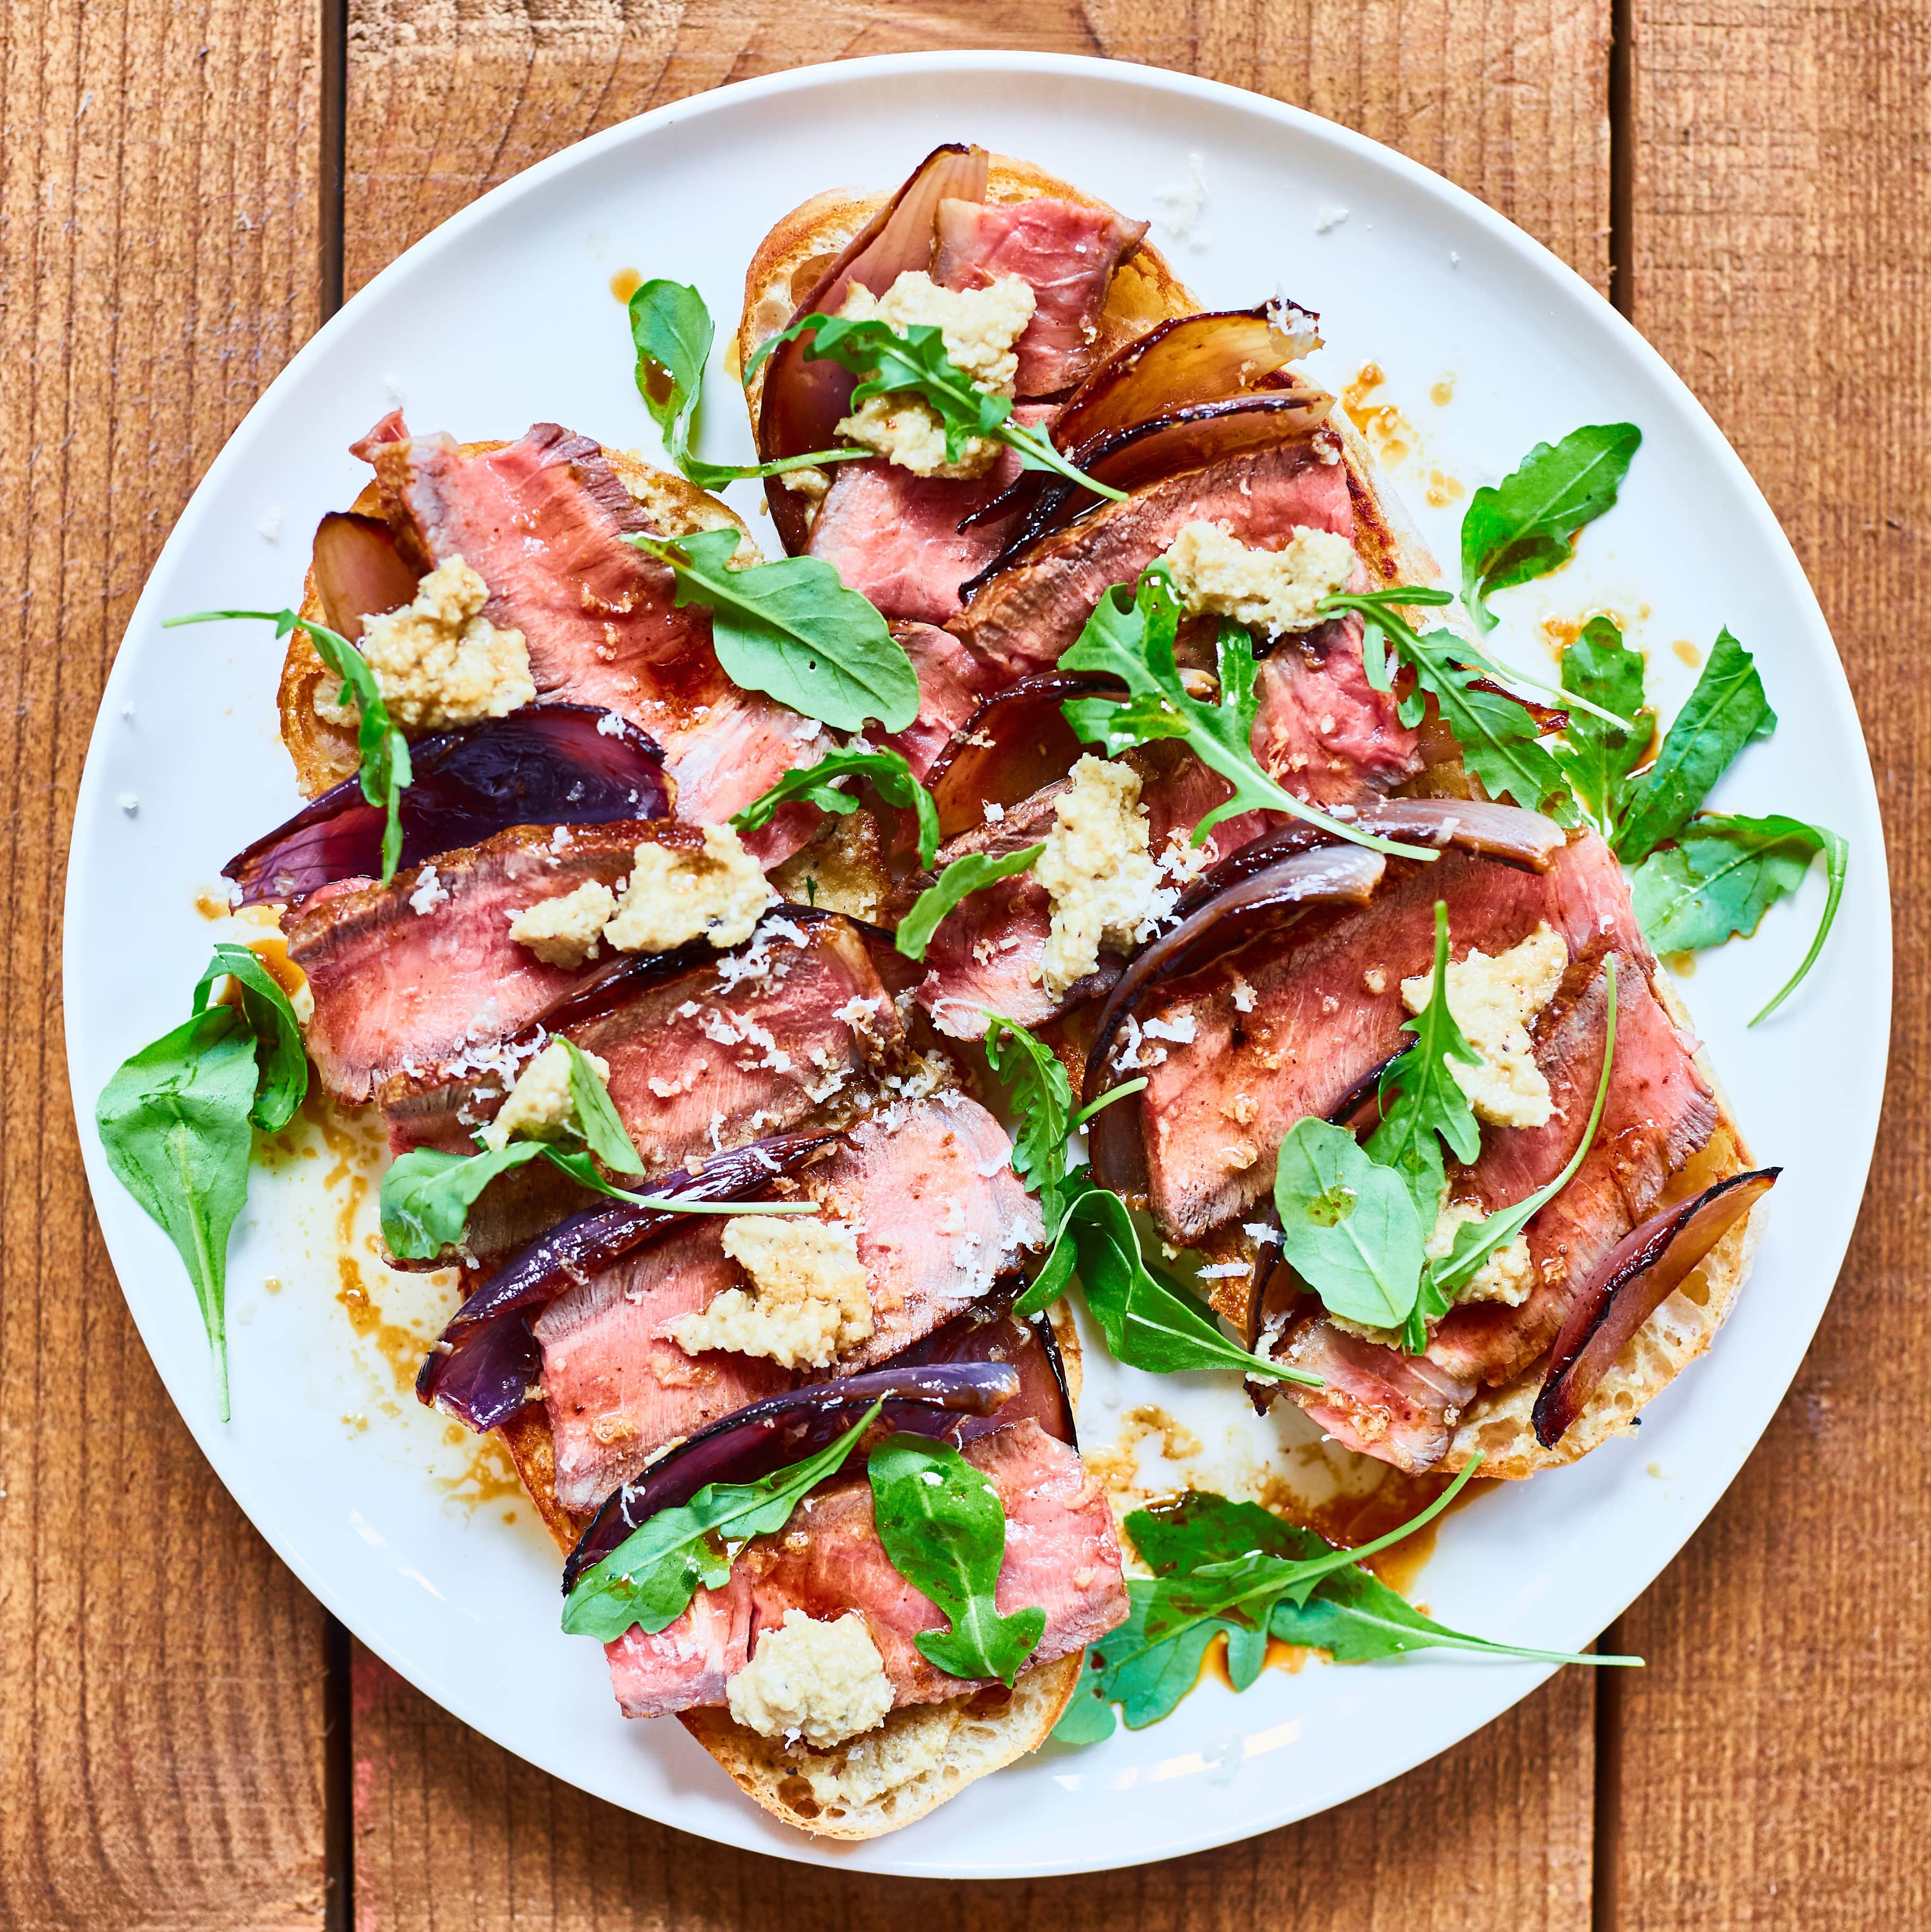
(505, 316)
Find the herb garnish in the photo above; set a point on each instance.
(1130, 636)
(914, 362)
(175, 1120)
(1597, 758)
(1726, 712)
(649, 1579)
(671, 326)
(1356, 1232)
(959, 880)
(384, 750)
(1150, 1321)
(815, 784)
(1722, 875)
(426, 1194)
(944, 1529)
(1153, 1660)
(792, 629)
(1525, 525)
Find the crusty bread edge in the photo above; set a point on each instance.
(325, 753)
(1145, 289)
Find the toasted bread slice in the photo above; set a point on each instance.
(325, 751)
(803, 245)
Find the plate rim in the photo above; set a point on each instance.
(1077, 68)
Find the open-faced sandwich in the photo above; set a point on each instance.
(738, 950)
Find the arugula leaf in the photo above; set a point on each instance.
(1348, 1225)
(1727, 709)
(1724, 873)
(913, 361)
(888, 773)
(174, 1124)
(1357, 1619)
(944, 1529)
(1150, 1321)
(959, 880)
(1130, 636)
(1146, 1678)
(386, 773)
(1525, 525)
(1475, 1241)
(1246, 1587)
(1043, 1098)
(791, 628)
(1382, 624)
(1426, 1101)
(1499, 736)
(671, 325)
(594, 1115)
(1597, 758)
(649, 1579)
(426, 1194)
(282, 1062)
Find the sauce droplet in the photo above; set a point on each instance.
(625, 284)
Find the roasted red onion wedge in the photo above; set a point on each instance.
(483, 1366)
(547, 764)
(1496, 831)
(803, 402)
(358, 570)
(1197, 358)
(1144, 454)
(980, 1370)
(1016, 742)
(1635, 1279)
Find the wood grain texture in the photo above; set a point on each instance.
(454, 1835)
(1508, 98)
(1774, 1770)
(159, 1673)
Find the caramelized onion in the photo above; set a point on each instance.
(1634, 1280)
(547, 764)
(1016, 743)
(358, 570)
(982, 1369)
(1147, 453)
(803, 402)
(482, 1367)
(1496, 831)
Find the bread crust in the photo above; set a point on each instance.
(803, 244)
(325, 753)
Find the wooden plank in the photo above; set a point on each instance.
(1510, 99)
(453, 1835)
(1773, 1767)
(160, 1703)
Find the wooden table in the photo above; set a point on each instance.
(187, 188)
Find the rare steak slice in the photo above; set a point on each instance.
(1064, 251)
(927, 1189)
(421, 974)
(1061, 1555)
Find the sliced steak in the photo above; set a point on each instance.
(421, 973)
(1066, 252)
(928, 1188)
(1658, 1112)
(1061, 1555)
(1026, 616)
(543, 521)
(1281, 1032)
(895, 536)
(1323, 731)
(949, 693)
